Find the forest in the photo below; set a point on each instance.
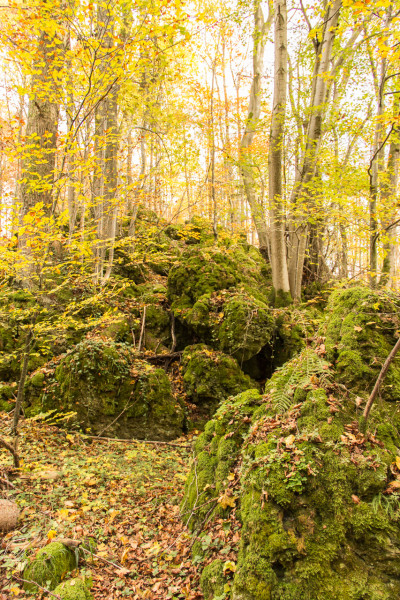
(200, 300)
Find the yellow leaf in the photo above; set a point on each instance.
(398, 462)
(225, 501)
(395, 484)
(289, 440)
(231, 476)
(229, 566)
(357, 328)
(51, 534)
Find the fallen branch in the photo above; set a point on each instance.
(133, 441)
(142, 329)
(39, 586)
(167, 356)
(379, 381)
(12, 450)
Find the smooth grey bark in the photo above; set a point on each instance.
(280, 276)
(298, 233)
(253, 117)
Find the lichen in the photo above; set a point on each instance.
(49, 566)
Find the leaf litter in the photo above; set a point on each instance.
(119, 500)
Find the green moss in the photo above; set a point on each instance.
(359, 337)
(111, 390)
(247, 326)
(49, 566)
(73, 589)
(212, 580)
(316, 519)
(211, 376)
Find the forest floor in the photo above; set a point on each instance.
(123, 496)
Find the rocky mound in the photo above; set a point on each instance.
(317, 501)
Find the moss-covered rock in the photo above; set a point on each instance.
(246, 327)
(360, 335)
(49, 567)
(216, 451)
(112, 391)
(74, 589)
(8, 394)
(211, 376)
(317, 499)
(203, 271)
(213, 580)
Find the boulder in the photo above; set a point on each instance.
(317, 499)
(74, 589)
(9, 513)
(210, 376)
(49, 567)
(112, 392)
(360, 333)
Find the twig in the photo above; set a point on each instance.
(7, 483)
(378, 383)
(133, 441)
(173, 334)
(39, 586)
(12, 450)
(169, 355)
(143, 328)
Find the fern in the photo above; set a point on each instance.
(299, 373)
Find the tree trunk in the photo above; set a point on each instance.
(253, 117)
(280, 277)
(317, 109)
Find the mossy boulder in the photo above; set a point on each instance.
(74, 589)
(203, 271)
(213, 580)
(49, 567)
(247, 325)
(112, 391)
(360, 334)
(217, 449)
(8, 394)
(210, 376)
(317, 499)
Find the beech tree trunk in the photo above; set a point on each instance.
(280, 277)
(252, 121)
(38, 161)
(307, 167)
(106, 150)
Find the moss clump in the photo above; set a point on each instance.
(203, 271)
(8, 395)
(217, 450)
(49, 567)
(212, 580)
(73, 589)
(319, 518)
(247, 326)
(113, 391)
(211, 376)
(359, 336)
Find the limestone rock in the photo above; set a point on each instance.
(9, 513)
